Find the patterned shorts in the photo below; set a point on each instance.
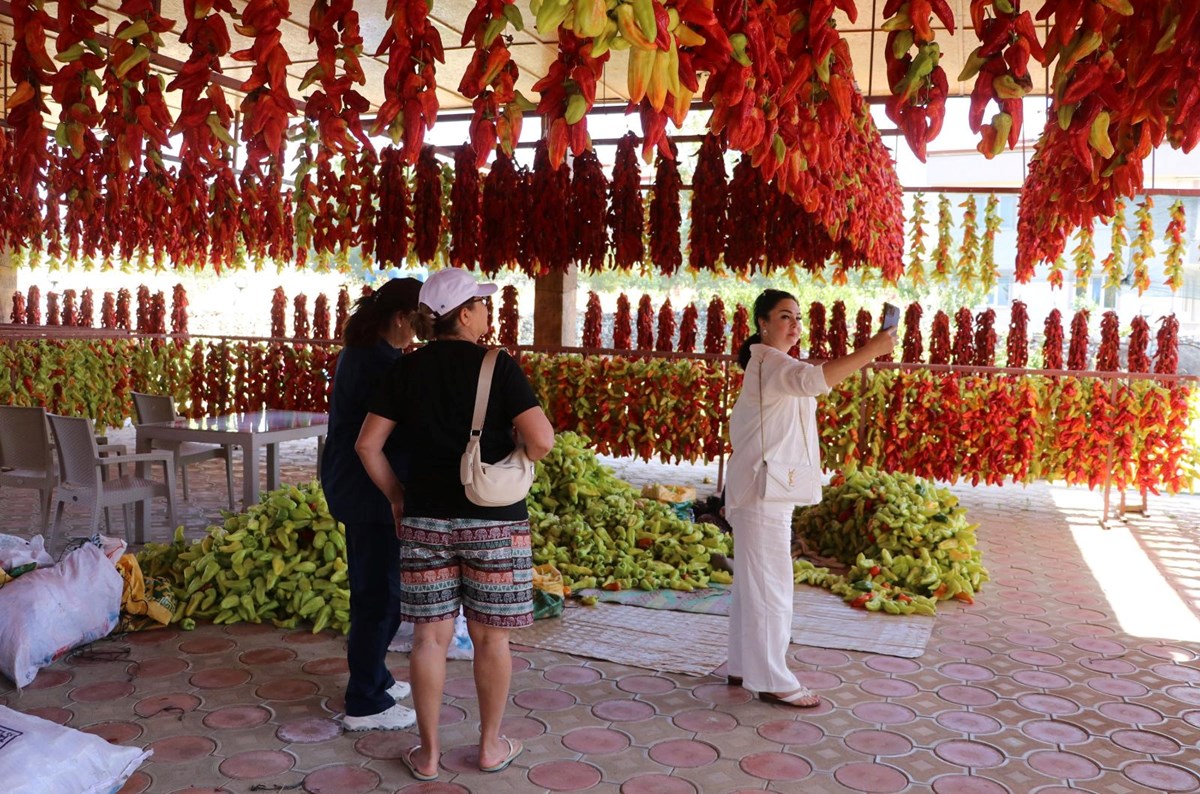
(481, 565)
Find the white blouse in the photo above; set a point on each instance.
(788, 425)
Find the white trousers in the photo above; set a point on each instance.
(760, 618)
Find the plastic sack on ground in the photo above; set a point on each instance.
(461, 646)
(16, 552)
(549, 592)
(47, 612)
(40, 757)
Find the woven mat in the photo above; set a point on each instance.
(821, 620)
(657, 639)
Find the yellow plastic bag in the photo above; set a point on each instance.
(549, 592)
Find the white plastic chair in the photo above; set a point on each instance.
(82, 481)
(153, 408)
(26, 457)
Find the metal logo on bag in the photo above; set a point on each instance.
(791, 478)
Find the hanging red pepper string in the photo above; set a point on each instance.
(664, 341)
(1166, 354)
(1139, 342)
(863, 329)
(741, 329)
(688, 329)
(838, 333)
(1052, 346)
(1017, 345)
(592, 322)
(913, 348)
(549, 239)
(510, 319)
(706, 237)
(626, 217)
(502, 211)
(666, 250)
(985, 339)
(622, 324)
(410, 103)
(588, 201)
(1077, 353)
(1108, 357)
(427, 205)
(963, 349)
(31, 70)
(918, 82)
(393, 229)
(465, 210)
(714, 328)
(818, 346)
(645, 324)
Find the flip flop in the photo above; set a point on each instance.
(412, 766)
(733, 680)
(514, 749)
(802, 698)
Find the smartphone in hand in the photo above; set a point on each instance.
(891, 317)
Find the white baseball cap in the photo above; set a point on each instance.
(450, 288)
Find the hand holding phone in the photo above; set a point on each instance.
(891, 317)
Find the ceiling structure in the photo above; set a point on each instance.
(532, 53)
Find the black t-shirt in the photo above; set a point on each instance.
(430, 394)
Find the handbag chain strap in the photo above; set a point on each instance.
(762, 434)
(481, 394)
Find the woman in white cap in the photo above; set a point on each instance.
(454, 552)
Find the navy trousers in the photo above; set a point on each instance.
(373, 558)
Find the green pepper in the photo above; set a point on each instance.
(865, 585)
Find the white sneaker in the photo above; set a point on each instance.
(400, 690)
(397, 718)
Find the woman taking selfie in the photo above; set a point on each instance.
(453, 551)
(773, 429)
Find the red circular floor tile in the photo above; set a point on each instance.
(883, 713)
(1118, 687)
(1192, 718)
(158, 667)
(645, 684)
(1185, 694)
(249, 629)
(962, 650)
(791, 732)
(889, 687)
(460, 687)
(204, 645)
(115, 732)
(48, 679)
(287, 689)
(255, 764)
(1130, 713)
(969, 753)
(966, 672)
(564, 775)
(596, 741)
(309, 730)
(962, 695)
(232, 717)
(622, 710)
(52, 713)
(705, 721)
(657, 784)
(821, 657)
(1178, 672)
(387, 745)
(1145, 742)
(519, 664)
(544, 699)
(1041, 679)
(892, 664)
(1026, 624)
(450, 715)
(878, 743)
(1100, 646)
(1081, 615)
(870, 777)
(966, 634)
(158, 705)
(1055, 732)
(1048, 704)
(1172, 653)
(262, 656)
(180, 749)
(137, 783)
(683, 753)
(572, 674)
(1063, 765)
(305, 637)
(521, 727)
(1110, 666)
(722, 695)
(1161, 777)
(155, 637)
(818, 680)
(342, 779)
(776, 766)
(328, 666)
(1036, 658)
(1022, 608)
(968, 722)
(101, 691)
(967, 784)
(219, 678)
(1031, 639)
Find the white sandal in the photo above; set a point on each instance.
(802, 698)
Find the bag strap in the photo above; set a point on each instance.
(762, 435)
(481, 393)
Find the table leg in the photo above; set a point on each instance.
(272, 466)
(141, 511)
(249, 475)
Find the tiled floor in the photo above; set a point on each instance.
(1077, 669)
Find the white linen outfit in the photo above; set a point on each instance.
(760, 618)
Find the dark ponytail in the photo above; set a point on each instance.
(365, 322)
(744, 351)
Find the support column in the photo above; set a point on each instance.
(554, 309)
(8, 283)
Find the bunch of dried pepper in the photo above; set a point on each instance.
(1017, 345)
(666, 250)
(592, 318)
(465, 209)
(622, 324)
(645, 324)
(706, 238)
(714, 329)
(626, 217)
(1077, 352)
(587, 203)
(688, 329)
(663, 342)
